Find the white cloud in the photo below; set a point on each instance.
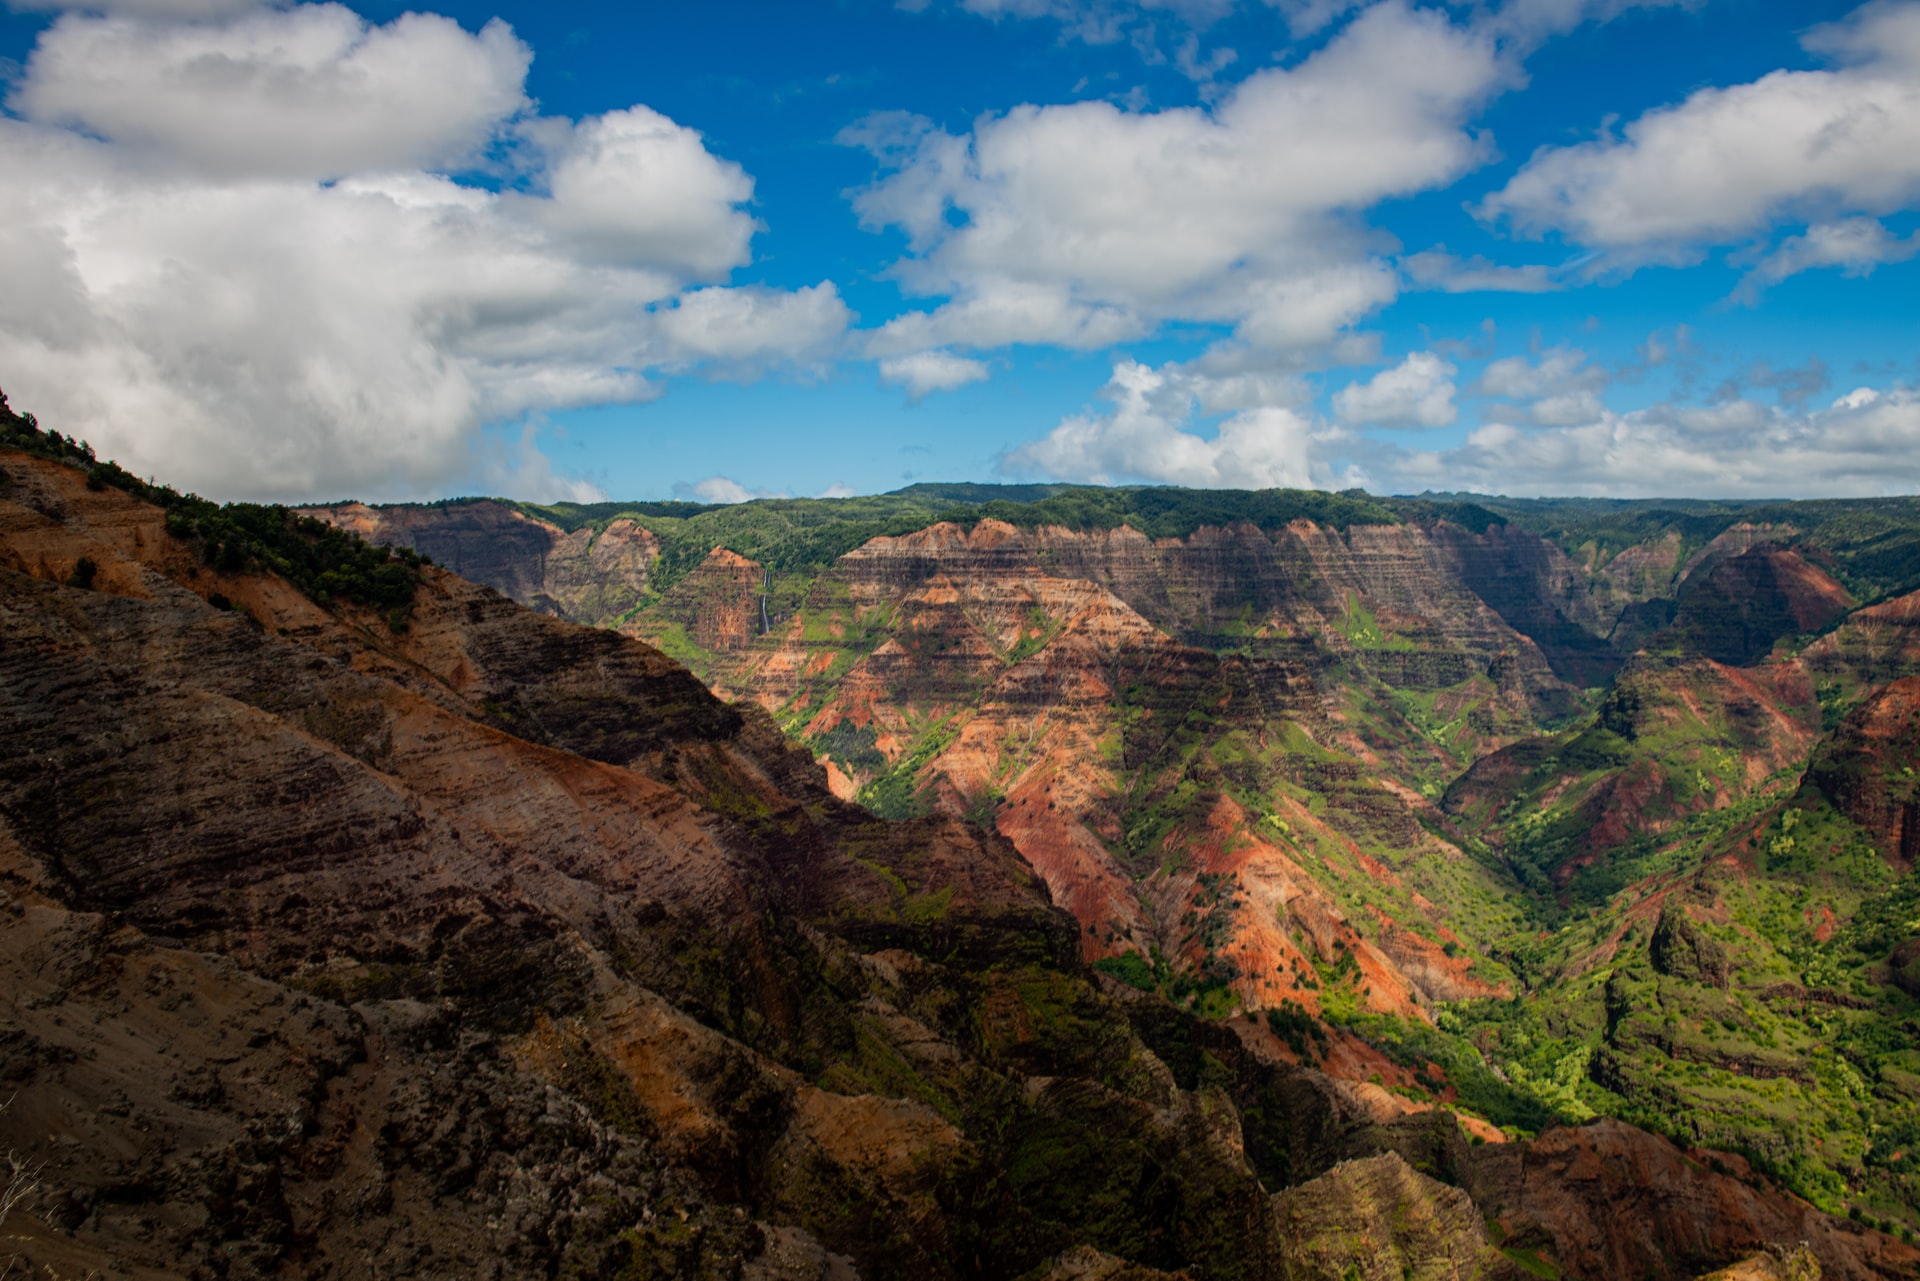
(1855, 245)
(1145, 437)
(1557, 372)
(1525, 23)
(311, 92)
(1865, 443)
(206, 311)
(1728, 162)
(839, 489)
(925, 372)
(1307, 17)
(1083, 224)
(752, 323)
(1560, 389)
(722, 489)
(997, 312)
(1438, 269)
(1563, 409)
(632, 187)
(1417, 392)
(520, 469)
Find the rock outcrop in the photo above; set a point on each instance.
(1867, 769)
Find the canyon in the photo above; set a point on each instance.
(1041, 899)
(1415, 782)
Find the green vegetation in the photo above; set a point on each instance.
(1301, 1031)
(897, 794)
(1757, 1014)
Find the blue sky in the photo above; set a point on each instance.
(1544, 246)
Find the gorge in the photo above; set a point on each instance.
(1058, 883)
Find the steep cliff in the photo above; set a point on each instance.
(590, 574)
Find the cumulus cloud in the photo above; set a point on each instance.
(752, 323)
(1306, 17)
(1147, 436)
(185, 289)
(999, 312)
(311, 92)
(1556, 372)
(1083, 224)
(1417, 392)
(633, 187)
(513, 464)
(1523, 23)
(1727, 163)
(1855, 245)
(1559, 388)
(922, 373)
(1794, 386)
(1864, 443)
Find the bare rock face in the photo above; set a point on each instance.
(588, 575)
(718, 607)
(1051, 682)
(1875, 644)
(1865, 769)
(1083, 1263)
(1002, 674)
(1735, 611)
(1674, 737)
(498, 947)
(1610, 1200)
